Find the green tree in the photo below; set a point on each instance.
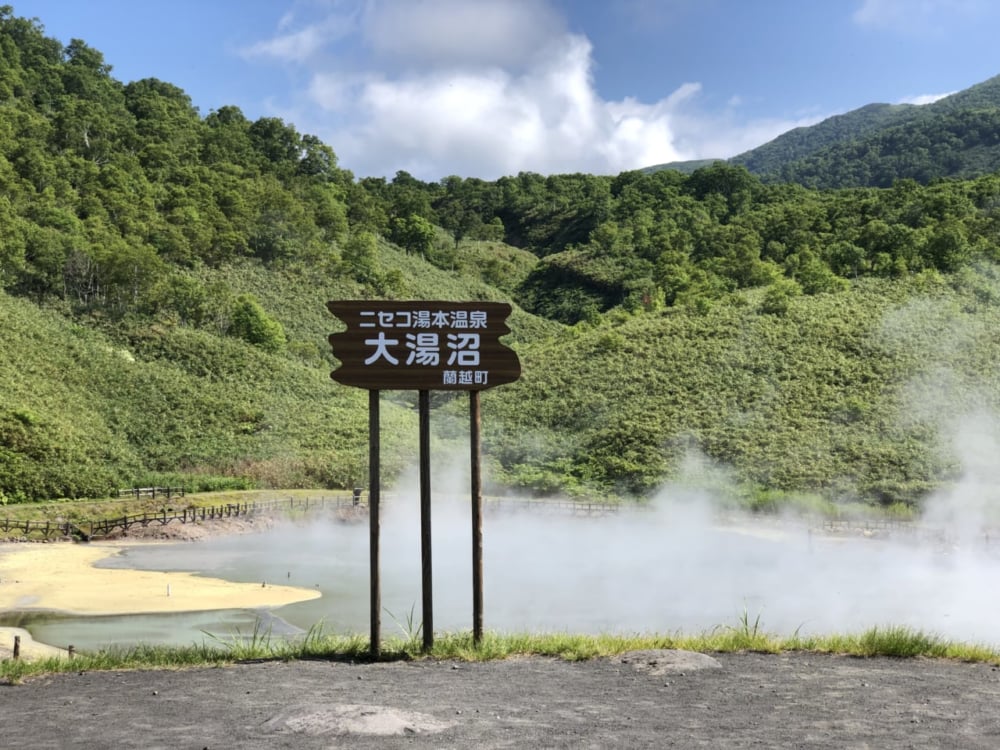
(251, 323)
(415, 234)
(778, 297)
(947, 247)
(360, 254)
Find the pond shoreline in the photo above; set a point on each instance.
(64, 577)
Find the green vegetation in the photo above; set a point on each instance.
(163, 279)
(844, 394)
(878, 144)
(892, 641)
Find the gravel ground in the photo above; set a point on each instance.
(643, 699)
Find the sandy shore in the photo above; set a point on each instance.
(62, 577)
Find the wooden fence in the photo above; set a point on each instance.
(151, 492)
(105, 527)
(44, 528)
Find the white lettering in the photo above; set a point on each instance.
(465, 349)
(381, 345)
(424, 349)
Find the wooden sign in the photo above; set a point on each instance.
(423, 345)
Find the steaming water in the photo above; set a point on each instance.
(669, 570)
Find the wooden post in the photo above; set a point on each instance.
(374, 492)
(425, 518)
(17, 647)
(475, 446)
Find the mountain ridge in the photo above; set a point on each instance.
(890, 141)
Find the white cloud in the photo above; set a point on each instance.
(924, 98)
(487, 88)
(460, 32)
(488, 122)
(296, 47)
(299, 46)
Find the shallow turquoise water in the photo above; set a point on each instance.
(663, 571)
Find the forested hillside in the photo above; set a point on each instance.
(874, 146)
(164, 275)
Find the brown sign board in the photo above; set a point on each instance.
(423, 345)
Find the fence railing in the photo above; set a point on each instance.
(105, 527)
(350, 503)
(151, 492)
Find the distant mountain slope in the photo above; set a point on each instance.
(684, 167)
(958, 144)
(875, 145)
(802, 143)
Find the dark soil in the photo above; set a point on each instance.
(645, 699)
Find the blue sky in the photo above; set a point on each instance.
(484, 88)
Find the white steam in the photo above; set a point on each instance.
(678, 567)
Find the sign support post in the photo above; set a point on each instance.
(427, 579)
(475, 444)
(423, 346)
(374, 524)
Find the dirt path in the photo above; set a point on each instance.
(645, 700)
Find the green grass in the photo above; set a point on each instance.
(746, 636)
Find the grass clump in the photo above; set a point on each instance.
(896, 641)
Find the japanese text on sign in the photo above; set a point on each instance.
(424, 349)
(449, 345)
